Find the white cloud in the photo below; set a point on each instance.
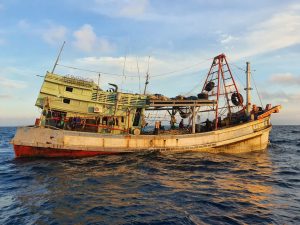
(51, 33)
(281, 96)
(54, 34)
(121, 8)
(289, 114)
(134, 8)
(285, 79)
(279, 31)
(226, 38)
(9, 83)
(87, 40)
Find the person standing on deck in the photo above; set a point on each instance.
(181, 125)
(157, 127)
(173, 122)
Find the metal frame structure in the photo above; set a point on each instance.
(221, 72)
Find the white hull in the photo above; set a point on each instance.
(246, 137)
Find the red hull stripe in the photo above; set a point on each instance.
(29, 151)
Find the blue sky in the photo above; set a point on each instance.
(177, 35)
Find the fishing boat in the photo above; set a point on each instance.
(80, 119)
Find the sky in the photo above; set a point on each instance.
(176, 39)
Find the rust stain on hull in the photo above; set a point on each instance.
(29, 151)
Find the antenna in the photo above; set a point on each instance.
(123, 72)
(98, 84)
(99, 75)
(55, 64)
(147, 77)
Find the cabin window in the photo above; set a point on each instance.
(66, 101)
(69, 89)
(122, 119)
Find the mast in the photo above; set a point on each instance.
(99, 75)
(55, 64)
(147, 77)
(248, 88)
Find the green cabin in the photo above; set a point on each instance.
(74, 103)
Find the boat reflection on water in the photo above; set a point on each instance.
(226, 187)
(119, 189)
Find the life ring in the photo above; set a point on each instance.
(237, 99)
(136, 131)
(209, 86)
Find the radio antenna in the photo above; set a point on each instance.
(55, 64)
(147, 77)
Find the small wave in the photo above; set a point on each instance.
(295, 131)
(21, 178)
(283, 184)
(279, 141)
(291, 173)
(98, 210)
(93, 181)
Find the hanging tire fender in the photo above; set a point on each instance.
(237, 99)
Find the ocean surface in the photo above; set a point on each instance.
(154, 188)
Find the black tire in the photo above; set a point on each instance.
(202, 95)
(237, 99)
(209, 86)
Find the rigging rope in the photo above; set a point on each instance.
(238, 67)
(92, 71)
(235, 72)
(182, 69)
(256, 90)
(122, 75)
(196, 86)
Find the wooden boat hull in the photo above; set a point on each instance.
(45, 142)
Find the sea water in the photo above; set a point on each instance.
(154, 188)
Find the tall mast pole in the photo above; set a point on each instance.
(99, 75)
(248, 88)
(55, 64)
(147, 77)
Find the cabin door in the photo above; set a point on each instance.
(137, 117)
